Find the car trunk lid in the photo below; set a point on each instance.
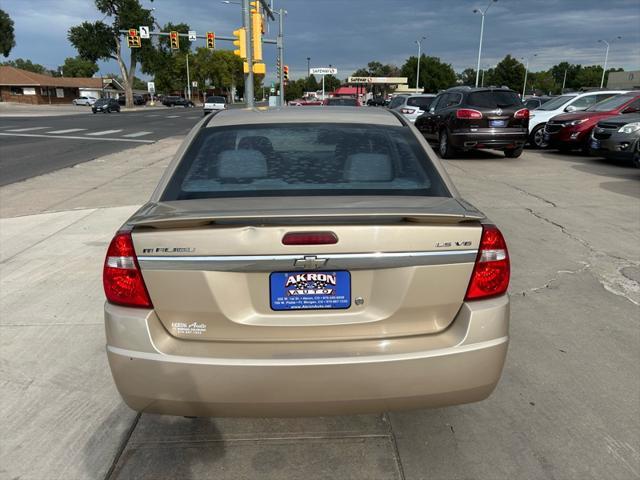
(210, 271)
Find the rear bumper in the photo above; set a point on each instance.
(498, 139)
(460, 365)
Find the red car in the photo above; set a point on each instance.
(570, 131)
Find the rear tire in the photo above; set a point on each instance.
(636, 155)
(444, 146)
(536, 139)
(513, 152)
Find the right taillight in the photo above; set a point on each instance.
(121, 276)
(523, 113)
(491, 272)
(468, 114)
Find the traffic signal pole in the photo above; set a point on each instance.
(281, 53)
(248, 78)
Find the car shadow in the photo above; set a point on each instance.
(627, 175)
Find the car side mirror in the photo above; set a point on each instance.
(432, 109)
(570, 108)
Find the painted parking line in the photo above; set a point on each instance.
(152, 115)
(172, 116)
(68, 130)
(30, 129)
(137, 134)
(103, 132)
(72, 137)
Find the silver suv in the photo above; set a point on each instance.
(412, 106)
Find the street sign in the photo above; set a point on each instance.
(382, 80)
(144, 32)
(194, 84)
(192, 35)
(272, 89)
(323, 71)
(151, 87)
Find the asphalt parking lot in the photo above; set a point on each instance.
(567, 407)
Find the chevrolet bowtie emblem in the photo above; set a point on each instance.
(309, 263)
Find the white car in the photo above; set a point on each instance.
(214, 103)
(87, 101)
(412, 106)
(565, 103)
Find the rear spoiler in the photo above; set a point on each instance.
(159, 216)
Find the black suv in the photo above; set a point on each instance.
(106, 105)
(465, 118)
(175, 101)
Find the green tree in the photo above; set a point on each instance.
(434, 74)
(508, 72)
(331, 83)
(541, 81)
(468, 77)
(217, 69)
(311, 84)
(589, 77)
(294, 89)
(27, 65)
(78, 67)
(7, 35)
(168, 67)
(97, 40)
(558, 73)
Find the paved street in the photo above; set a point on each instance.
(566, 407)
(36, 145)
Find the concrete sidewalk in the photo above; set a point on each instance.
(567, 406)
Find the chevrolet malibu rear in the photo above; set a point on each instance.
(305, 262)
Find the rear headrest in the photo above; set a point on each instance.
(368, 167)
(256, 142)
(241, 164)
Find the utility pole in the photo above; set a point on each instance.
(248, 78)
(281, 13)
(419, 42)
(188, 79)
(606, 58)
(564, 80)
(308, 66)
(483, 13)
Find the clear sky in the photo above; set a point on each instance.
(349, 33)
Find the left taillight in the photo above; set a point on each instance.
(523, 113)
(121, 276)
(492, 270)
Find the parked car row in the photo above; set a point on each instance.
(464, 118)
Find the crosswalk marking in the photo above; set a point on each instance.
(30, 129)
(136, 134)
(76, 137)
(68, 130)
(104, 132)
(172, 116)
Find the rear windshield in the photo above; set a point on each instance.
(101, 101)
(423, 102)
(556, 103)
(493, 99)
(610, 103)
(343, 102)
(216, 100)
(304, 159)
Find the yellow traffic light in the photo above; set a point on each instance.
(256, 33)
(133, 39)
(240, 42)
(211, 40)
(174, 40)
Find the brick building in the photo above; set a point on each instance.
(21, 86)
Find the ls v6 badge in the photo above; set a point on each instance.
(465, 243)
